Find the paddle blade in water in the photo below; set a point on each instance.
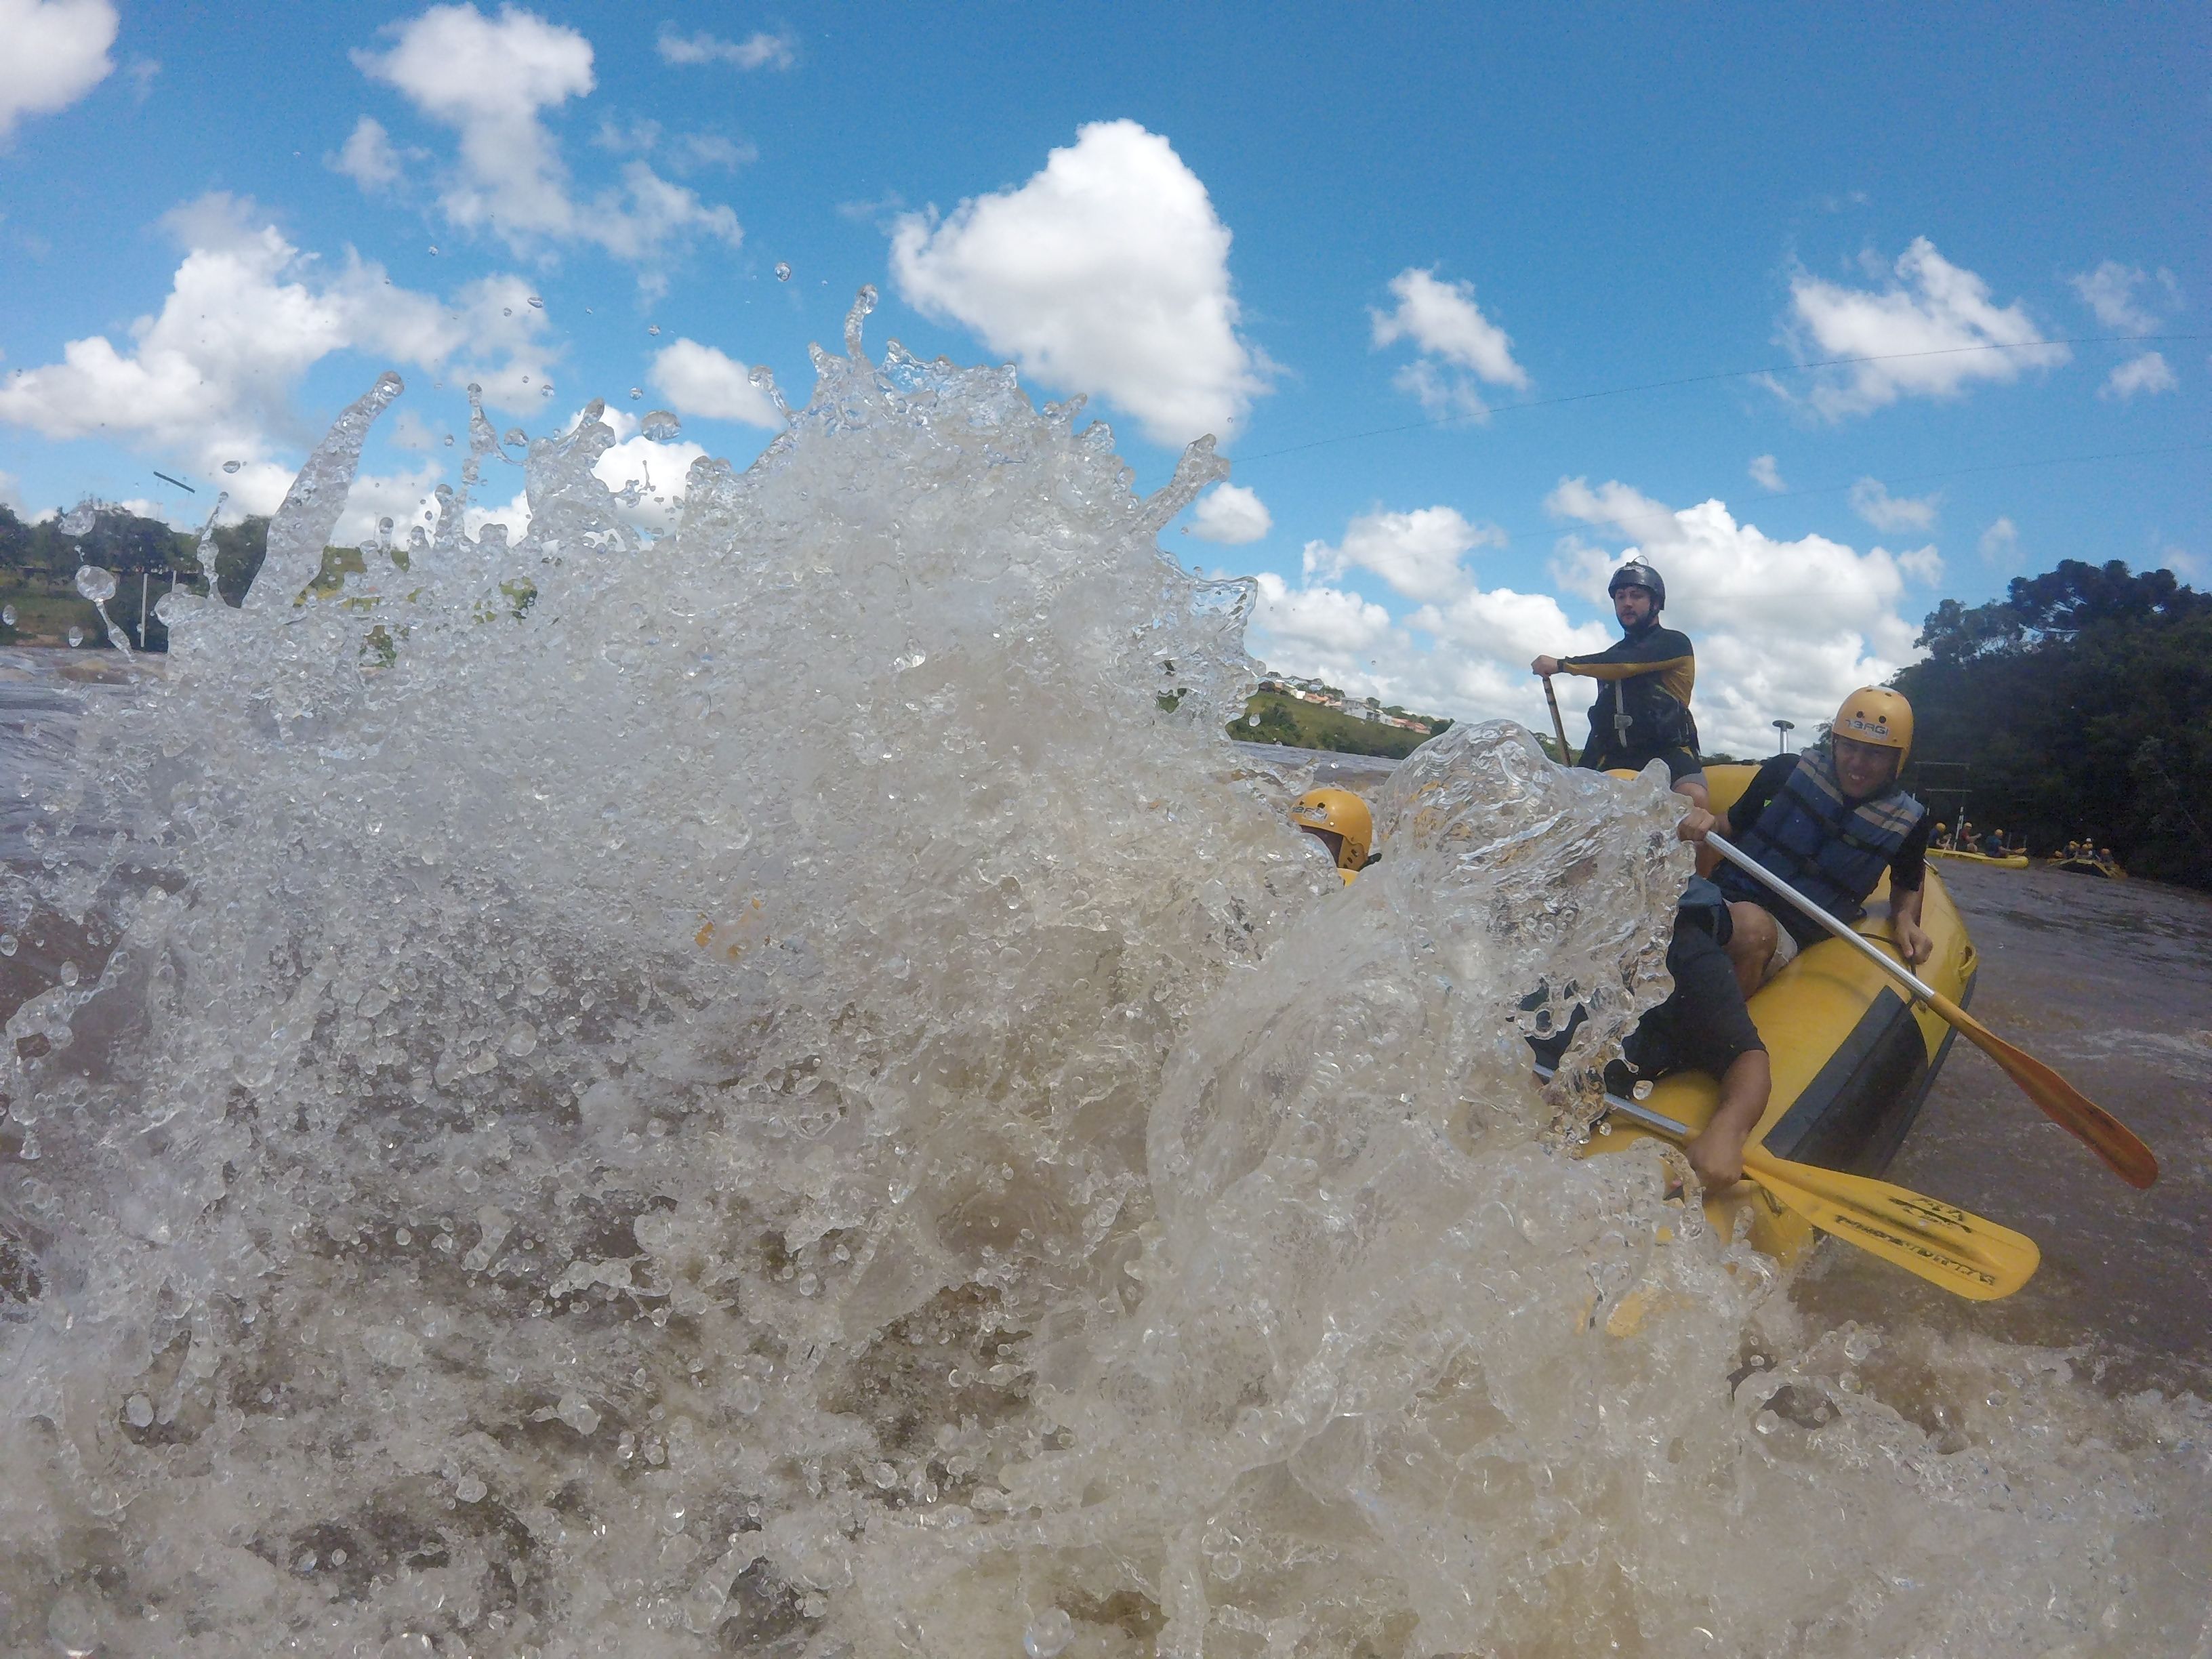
(2065, 1105)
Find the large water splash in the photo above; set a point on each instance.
(778, 1088)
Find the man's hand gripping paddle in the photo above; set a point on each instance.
(2065, 1105)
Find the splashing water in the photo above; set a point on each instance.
(782, 1088)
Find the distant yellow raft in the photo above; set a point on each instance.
(2015, 861)
(1852, 1060)
(2090, 867)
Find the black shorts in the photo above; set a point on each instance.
(1681, 763)
(1702, 1026)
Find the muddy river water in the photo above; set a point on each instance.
(778, 1089)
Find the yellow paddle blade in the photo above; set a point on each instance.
(1945, 1245)
(2062, 1103)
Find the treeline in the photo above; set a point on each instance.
(38, 565)
(2081, 705)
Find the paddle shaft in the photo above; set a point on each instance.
(2060, 1101)
(1559, 726)
(1865, 946)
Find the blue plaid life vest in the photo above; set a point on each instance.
(1829, 849)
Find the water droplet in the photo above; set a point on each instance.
(470, 1490)
(661, 426)
(69, 973)
(403, 1238)
(433, 249)
(231, 467)
(77, 636)
(95, 582)
(652, 328)
(1049, 1635)
(138, 1411)
(636, 392)
(79, 520)
(449, 440)
(883, 1474)
(537, 304)
(6, 945)
(782, 271)
(522, 1040)
(507, 311)
(515, 435)
(384, 526)
(8, 615)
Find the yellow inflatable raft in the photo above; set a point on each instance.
(2090, 867)
(2015, 861)
(1852, 1060)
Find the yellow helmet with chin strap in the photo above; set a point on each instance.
(1878, 718)
(1341, 820)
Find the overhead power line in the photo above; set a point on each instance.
(1721, 374)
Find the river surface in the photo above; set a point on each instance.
(782, 1088)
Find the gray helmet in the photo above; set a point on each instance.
(1636, 574)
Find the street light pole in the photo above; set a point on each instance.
(1782, 729)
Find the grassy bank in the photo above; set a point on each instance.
(1273, 717)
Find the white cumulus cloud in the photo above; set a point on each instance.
(2147, 373)
(211, 377)
(1458, 345)
(368, 157)
(1232, 515)
(56, 52)
(1765, 474)
(2109, 291)
(698, 380)
(758, 50)
(1417, 553)
(1933, 324)
(1923, 564)
(2000, 543)
(492, 81)
(1871, 501)
(1108, 272)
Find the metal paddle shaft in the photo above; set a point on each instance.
(2060, 1101)
(1850, 935)
(1955, 1248)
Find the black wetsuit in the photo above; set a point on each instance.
(1648, 676)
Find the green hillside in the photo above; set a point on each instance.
(1277, 717)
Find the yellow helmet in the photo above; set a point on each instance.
(1341, 821)
(1877, 717)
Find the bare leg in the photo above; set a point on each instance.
(1751, 944)
(1717, 1154)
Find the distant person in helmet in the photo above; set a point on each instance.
(1828, 821)
(1642, 708)
(1339, 820)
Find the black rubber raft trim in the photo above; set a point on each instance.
(1856, 1112)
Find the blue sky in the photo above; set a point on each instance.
(1293, 225)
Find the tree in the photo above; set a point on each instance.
(2081, 703)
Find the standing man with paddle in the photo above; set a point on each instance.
(1828, 821)
(1642, 708)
